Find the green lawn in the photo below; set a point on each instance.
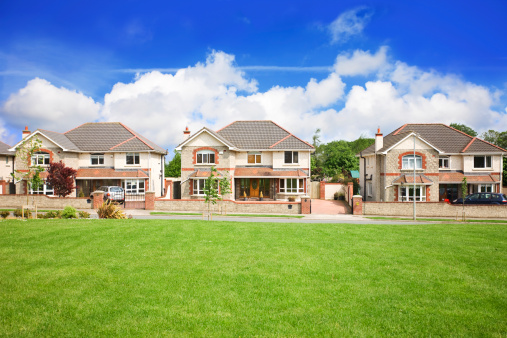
(198, 278)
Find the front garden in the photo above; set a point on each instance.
(82, 277)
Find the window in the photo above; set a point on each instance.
(198, 188)
(206, 157)
(407, 193)
(408, 162)
(443, 163)
(44, 189)
(485, 187)
(481, 162)
(369, 189)
(291, 157)
(132, 158)
(292, 185)
(40, 158)
(133, 186)
(97, 159)
(254, 158)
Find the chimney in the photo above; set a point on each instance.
(186, 134)
(379, 140)
(25, 132)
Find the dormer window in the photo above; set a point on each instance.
(409, 161)
(40, 158)
(97, 159)
(444, 163)
(205, 157)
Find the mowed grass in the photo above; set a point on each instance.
(199, 278)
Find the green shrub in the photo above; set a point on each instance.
(110, 209)
(69, 212)
(84, 214)
(41, 215)
(5, 213)
(53, 214)
(18, 213)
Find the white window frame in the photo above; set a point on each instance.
(99, 158)
(407, 162)
(485, 188)
(293, 155)
(134, 186)
(485, 158)
(406, 195)
(257, 157)
(42, 157)
(444, 159)
(369, 189)
(204, 157)
(136, 158)
(198, 186)
(44, 189)
(292, 185)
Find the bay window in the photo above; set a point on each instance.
(406, 193)
(292, 185)
(43, 189)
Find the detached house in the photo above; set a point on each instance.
(443, 157)
(107, 153)
(6, 168)
(261, 158)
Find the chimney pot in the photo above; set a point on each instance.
(379, 140)
(25, 132)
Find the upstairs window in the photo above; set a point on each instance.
(254, 158)
(205, 157)
(132, 158)
(97, 159)
(409, 161)
(482, 162)
(443, 163)
(40, 158)
(291, 157)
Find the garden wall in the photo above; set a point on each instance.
(433, 209)
(277, 207)
(44, 202)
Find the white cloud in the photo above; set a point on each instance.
(42, 105)
(349, 23)
(360, 62)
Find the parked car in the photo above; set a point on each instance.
(112, 193)
(483, 198)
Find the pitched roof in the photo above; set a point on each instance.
(261, 135)
(419, 179)
(441, 136)
(454, 177)
(4, 149)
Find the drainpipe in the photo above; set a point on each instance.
(364, 178)
(162, 175)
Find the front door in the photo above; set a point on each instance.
(254, 187)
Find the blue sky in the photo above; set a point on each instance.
(346, 67)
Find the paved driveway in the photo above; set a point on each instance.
(329, 207)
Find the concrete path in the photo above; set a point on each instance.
(329, 207)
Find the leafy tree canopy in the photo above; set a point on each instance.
(62, 178)
(464, 128)
(173, 168)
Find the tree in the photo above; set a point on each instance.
(61, 178)
(338, 158)
(464, 128)
(464, 189)
(490, 136)
(25, 152)
(173, 168)
(211, 195)
(225, 186)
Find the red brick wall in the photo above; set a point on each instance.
(322, 190)
(400, 157)
(149, 200)
(305, 206)
(357, 205)
(194, 154)
(98, 199)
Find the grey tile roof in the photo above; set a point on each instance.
(4, 149)
(60, 139)
(109, 136)
(261, 135)
(441, 136)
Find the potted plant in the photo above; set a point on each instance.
(261, 197)
(336, 196)
(291, 198)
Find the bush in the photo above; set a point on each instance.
(18, 213)
(291, 198)
(53, 214)
(5, 213)
(84, 214)
(110, 209)
(41, 215)
(69, 212)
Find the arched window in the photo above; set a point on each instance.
(205, 157)
(409, 161)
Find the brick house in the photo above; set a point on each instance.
(443, 156)
(260, 157)
(106, 153)
(6, 168)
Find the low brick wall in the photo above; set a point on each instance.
(433, 209)
(230, 206)
(44, 202)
